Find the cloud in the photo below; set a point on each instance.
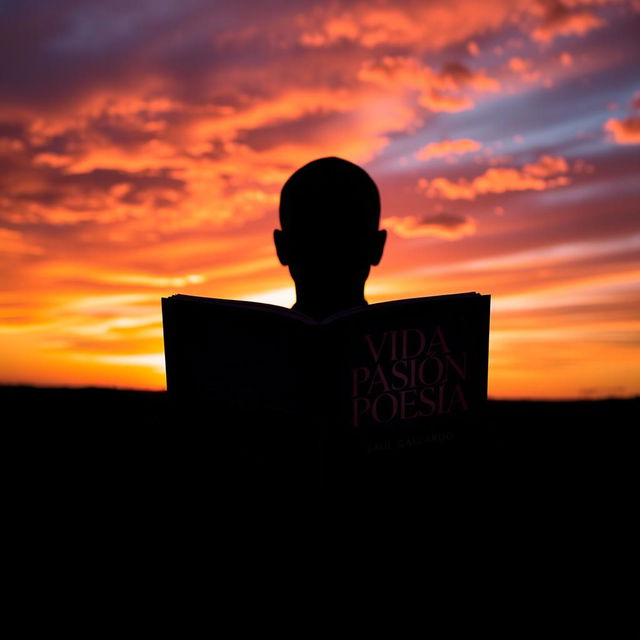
(455, 76)
(447, 148)
(229, 149)
(438, 90)
(546, 173)
(519, 64)
(111, 165)
(557, 19)
(625, 131)
(439, 225)
(566, 59)
(14, 242)
(421, 25)
(436, 101)
(44, 192)
(524, 67)
(547, 166)
(433, 26)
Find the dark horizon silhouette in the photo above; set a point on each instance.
(329, 214)
(549, 455)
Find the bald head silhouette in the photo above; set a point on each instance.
(329, 236)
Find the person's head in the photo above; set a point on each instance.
(329, 214)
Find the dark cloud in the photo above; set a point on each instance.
(446, 220)
(25, 184)
(308, 128)
(64, 52)
(51, 66)
(559, 19)
(457, 72)
(450, 226)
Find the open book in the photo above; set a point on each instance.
(384, 377)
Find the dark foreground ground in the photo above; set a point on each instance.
(87, 447)
(110, 498)
(511, 425)
(112, 492)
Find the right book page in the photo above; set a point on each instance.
(408, 374)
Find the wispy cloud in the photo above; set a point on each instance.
(447, 148)
(562, 18)
(438, 225)
(547, 173)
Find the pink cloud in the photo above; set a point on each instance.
(524, 68)
(541, 175)
(625, 131)
(455, 76)
(557, 19)
(436, 101)
(443, 90)
(519, 64)
(421, 25)
(448, 147)
(566, 59)
(547, 166)
(434, 26)
(439, 225)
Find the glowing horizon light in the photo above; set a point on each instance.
(282, 297)
(154, 361)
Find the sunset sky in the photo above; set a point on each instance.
(143, 146)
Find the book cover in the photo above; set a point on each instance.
(384, 379)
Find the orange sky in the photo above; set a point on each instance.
(143, 147)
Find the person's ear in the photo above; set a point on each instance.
(281, 246)
(377, 246)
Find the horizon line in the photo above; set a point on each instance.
(26, 385)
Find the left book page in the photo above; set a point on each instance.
(227, 357)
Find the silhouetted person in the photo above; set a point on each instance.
(329, 214)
